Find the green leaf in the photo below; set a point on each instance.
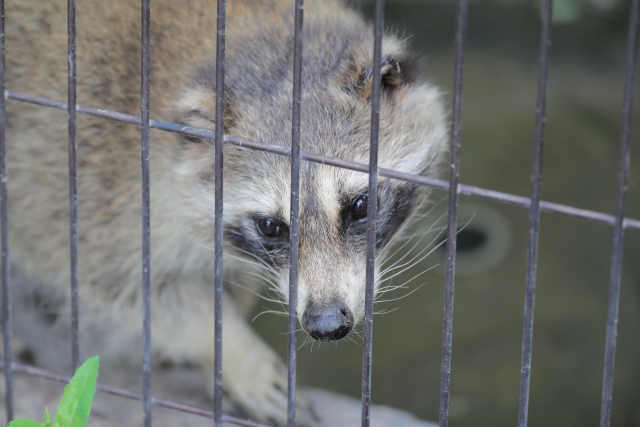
(47, 417)
(78, 394)
(24, 423)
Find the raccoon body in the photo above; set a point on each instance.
(335, 121)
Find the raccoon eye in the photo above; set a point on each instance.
(359, 208)
(269, 228)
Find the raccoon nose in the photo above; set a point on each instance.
(328, 321)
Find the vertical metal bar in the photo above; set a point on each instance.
(454, 174)
(534, 214)
(219, 149)
(372, 210)
(146, 213)
(618, 234)
(73, 189)
(4, 230)
(295, 208)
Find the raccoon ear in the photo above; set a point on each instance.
(391, 74)
(197, 108)
(395, 72)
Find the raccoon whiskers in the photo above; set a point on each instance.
(353, 341)
(410, 264)
(254, 292)
(422, 235)
(358, 333)
(262, 262)
(271, 285)
(416, 258)
(252, 260)
(268, 254)
(276, 312)
(304, 342)
(404, 296)
(266, 279)
(413, 261)
(386, 312)
(415, 216)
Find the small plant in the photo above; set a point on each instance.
(75, 404)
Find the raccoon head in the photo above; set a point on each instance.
(335, 121)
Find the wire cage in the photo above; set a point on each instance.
(534, 204)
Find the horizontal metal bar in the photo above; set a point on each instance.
(439, 184)
(116, 391)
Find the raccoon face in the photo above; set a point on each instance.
(335, 121)
(332, 241)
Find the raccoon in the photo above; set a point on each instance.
(335, 121)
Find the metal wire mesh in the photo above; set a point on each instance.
(454, 188)
(618, 234)
(73, 185)
(534, 214)
(4, 230)
(220, 62)
(452, 217)
(294, 213)
(372, 209)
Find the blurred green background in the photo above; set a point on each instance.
(580, 161)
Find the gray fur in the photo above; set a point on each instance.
(336, 111)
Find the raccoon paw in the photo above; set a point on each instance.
(265, 394)
(258, 383)
(306, 415)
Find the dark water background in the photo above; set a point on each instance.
(580, 162)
